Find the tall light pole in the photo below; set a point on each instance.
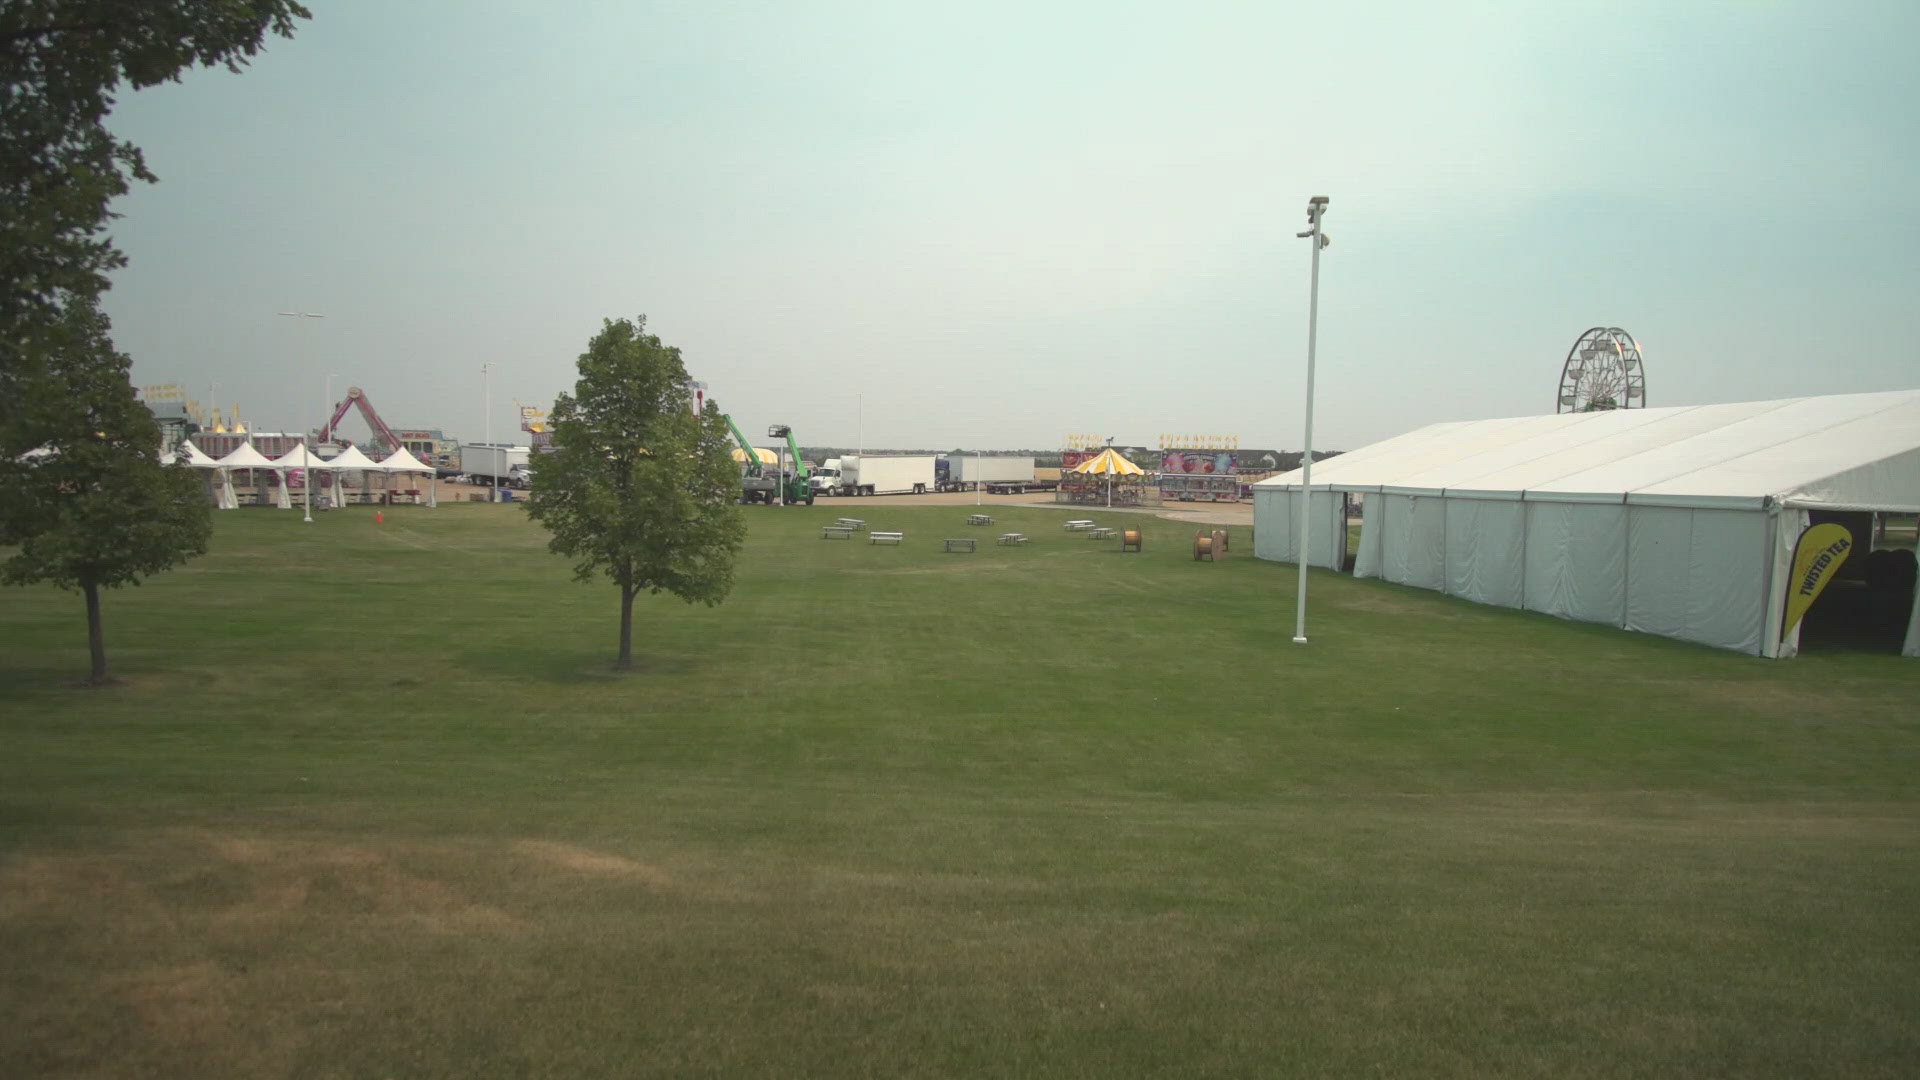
(306, 483)
(1316, 208)
(486, 381)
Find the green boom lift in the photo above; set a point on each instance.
(755, 485)
(799, 489)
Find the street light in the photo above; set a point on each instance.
(486, 381)
(307, 481)
(1316, 208)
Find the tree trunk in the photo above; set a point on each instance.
(625, 659)
(96, 639)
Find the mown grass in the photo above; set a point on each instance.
(369, 803)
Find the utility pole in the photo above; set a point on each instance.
(1316, 207)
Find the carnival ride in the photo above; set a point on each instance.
(1603, 370)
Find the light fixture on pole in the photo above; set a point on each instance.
(306, 454)
(486, 382)
(1316, 208)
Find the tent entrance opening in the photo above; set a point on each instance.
(1866, 606)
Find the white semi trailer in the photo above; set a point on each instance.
(871, 475)
(966, 472)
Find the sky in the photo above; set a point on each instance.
(991, 225)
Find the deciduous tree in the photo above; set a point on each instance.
(91, 507)
(81, 494)
(60, 168)
(638, 487)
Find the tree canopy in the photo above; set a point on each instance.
(83, 497)
(91, 506)
(60, 168)
(639, 487)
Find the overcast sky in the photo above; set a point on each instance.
(994, 224)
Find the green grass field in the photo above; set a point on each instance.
(370, 804)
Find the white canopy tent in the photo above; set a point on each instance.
(195, 458)
(299, 457)
(1678, 521)
(350, 458)
(243, 456)
(401, 461)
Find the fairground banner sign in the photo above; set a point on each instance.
(1816, 559)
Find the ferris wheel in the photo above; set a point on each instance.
(1603, 371)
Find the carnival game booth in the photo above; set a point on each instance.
(1682, 522)
(1108, 479)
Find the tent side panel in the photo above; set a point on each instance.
(1325, 521)
(1273, 529)
(1484, 550)
(1726, 579)
(1659, 552)
(1912, 646)
(1576, 560)
(1408, 525)
(1366, 562)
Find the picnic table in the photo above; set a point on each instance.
(1011, 539)
(979, 519)
(959, 543)
(1100, 533)
(1076, 526)
(836, 532)
(849, 523)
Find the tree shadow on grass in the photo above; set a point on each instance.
(19, 682)
(573, 666)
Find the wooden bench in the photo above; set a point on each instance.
(962, 543)
(885, 537)
(979, 519)
(836, 532)
(1075, 526)
(1011, 539)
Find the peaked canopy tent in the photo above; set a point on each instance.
(1677, 521)
(349, 459)
(299, 456)
(401, 461)
(195, 458)
(243, 456)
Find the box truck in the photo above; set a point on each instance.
(870, 475)
(496, 465)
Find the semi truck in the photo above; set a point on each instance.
(964, 472)
(496, 464)
(870, 475)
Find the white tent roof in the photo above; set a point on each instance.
(402, 461)
(299, 457)
(245, 456)
(1843, 450)
(351, 458)
(196, 457)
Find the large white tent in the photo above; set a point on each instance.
(1677, 521)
